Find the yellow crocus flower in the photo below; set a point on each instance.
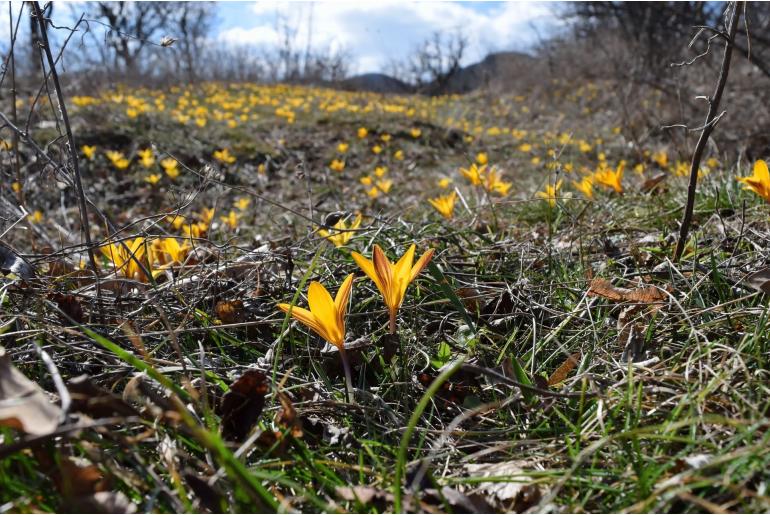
(611, 179)
(481, 158)
(242, 203)
(126, 256)
(224, 156)
(326, 317)
(550, 193)
(146, 157)
(392, 280)
(445, 204)
(341, 232)
(384, 185)
(342, 148)
(153, 178)
(585, 186)
(168, 251)
(231, 220)
(474, 173)
(171, 167)
(337, 165)
(759, 181)
(362, 132)
(88, 151)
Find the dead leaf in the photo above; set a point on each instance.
(503, 491)
(70, 306)
(230, 311)
(103, 502)
(95, 401)
(643, 294)
(209, 497)
(287, 416)
(470, 298)
(242, 405)
(561, 373)
(651, 183)
(23, 404)
(759, 280)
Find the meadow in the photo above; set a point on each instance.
(304, 299)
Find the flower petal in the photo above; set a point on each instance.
(304, 316)
(368, 268)
(324, 311)
(341, 301)
(384, 270)
(421, 263)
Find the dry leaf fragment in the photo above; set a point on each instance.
(242, 405)
(643, 294)
(651, 183)
(95, 401)
(759, 280)
(561, 373)
(23, 404)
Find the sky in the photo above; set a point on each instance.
(374, 33)
(378, 32)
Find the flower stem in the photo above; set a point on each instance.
(349, 397)
(392, 325)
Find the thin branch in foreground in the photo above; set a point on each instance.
(708, 127)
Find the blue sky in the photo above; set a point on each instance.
(376, 32)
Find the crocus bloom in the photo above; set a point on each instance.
(611, 179)
(168, 251)
(392, 280)
(326, 317)
(474, 173)
(585, 186)
(445, 204)
(337, 165)
(231, 220)
(224, 156)
(88, 151)
(170, 166)
(759, 182)
(550, 193)
(124, 257)
(341, 232)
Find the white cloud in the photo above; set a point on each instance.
(377, 32)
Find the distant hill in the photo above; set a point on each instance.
(502, 71)
(376, 83)
(499, 71)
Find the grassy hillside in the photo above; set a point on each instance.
(549, 356)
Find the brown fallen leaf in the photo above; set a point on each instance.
(23, 404)
(759, 280)
(643, 294)
(95, 401)
(287, 416)
(242, 405)
(561, 373)
(651, 183)
(230, 311)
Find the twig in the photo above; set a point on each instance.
(708, 127)
(46, 49)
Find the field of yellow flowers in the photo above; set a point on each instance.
(303, 299)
